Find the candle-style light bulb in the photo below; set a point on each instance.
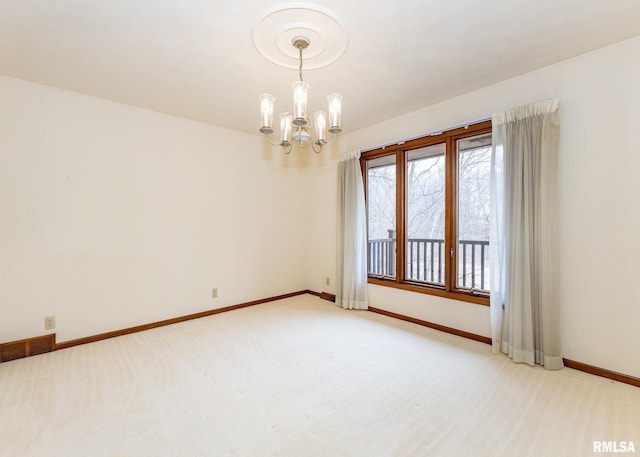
(285, 128)
(266, 113)
(320, 118)
(300, 90)
(335, 113)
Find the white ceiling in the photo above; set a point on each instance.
(196, 59)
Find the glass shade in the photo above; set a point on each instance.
(300, 90)
(285, 128)
(335, 112)
(320, 118)
(266, 113)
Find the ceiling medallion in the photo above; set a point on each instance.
(278, 26)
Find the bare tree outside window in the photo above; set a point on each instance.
(425, 214)
(474, 163)
(381, 210)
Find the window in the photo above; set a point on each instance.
(381, 216)
(428, 213)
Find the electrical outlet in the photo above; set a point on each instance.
(50, 322)
(327, 281)
(214, 293)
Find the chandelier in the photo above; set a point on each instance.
(298, 126)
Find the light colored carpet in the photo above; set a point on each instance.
(300, 377)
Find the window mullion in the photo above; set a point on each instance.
(401, 195)
(450, 216)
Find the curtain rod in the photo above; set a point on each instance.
(432, 133)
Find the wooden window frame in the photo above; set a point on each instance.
(400, 150)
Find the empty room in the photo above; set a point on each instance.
(332, 228)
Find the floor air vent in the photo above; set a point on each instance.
(25, 348)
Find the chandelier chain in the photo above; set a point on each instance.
(300, 49)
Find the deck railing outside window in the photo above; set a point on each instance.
(425, 261)
(382, 257)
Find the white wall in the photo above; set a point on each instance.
(113, 216)
(599, 212)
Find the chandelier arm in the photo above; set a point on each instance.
(284, 148)
(313, 146)
(266, 135)
(333, 137)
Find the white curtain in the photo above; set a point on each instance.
(351, 284)
(525, 314)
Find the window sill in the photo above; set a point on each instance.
(423, 289)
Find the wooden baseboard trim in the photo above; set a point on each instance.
(47, 343)
(442, 328)
(27, 347)
(602, 372)
(597, 371)
(175, 320)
